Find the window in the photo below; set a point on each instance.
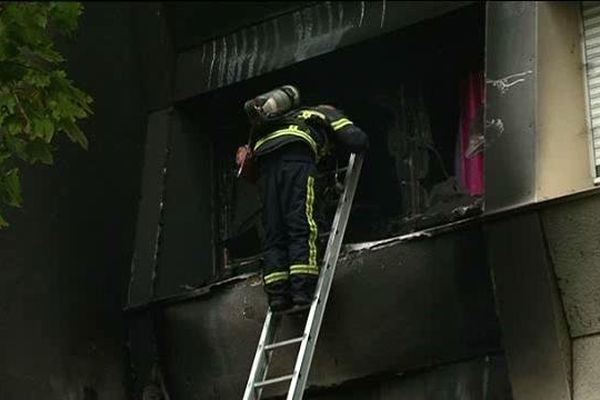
(417, 93)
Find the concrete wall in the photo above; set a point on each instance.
(479, 379)
(569, 233)
(404, 307)
(537, 144)
(510, 120)
(64, 262)
(563, 163)
(586, 368)
(573, 236)
(535, 336)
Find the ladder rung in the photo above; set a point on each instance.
(273, 381)
(284, 343)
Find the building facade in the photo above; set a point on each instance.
(470, 270)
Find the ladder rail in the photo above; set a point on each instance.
(317, 310)
(264, 352)
(261, 359)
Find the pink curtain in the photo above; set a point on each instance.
(469, 160)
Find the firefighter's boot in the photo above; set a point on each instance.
(303, 288)
(278, 295)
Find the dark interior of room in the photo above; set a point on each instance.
(404, 90)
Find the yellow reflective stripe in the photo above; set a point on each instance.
(305, 114)
(304, 269)
(340, 126)
(312, 237)
(275, 277)
(305, 266)
(292, 130)
(340, 123)
(307, 272)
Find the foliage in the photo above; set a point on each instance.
(38, 103)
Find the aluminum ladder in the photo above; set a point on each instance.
(266, 347)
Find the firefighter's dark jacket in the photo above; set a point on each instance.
(320, 127)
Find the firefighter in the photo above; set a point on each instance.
(287, 141)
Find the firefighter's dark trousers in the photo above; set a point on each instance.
(287, 188)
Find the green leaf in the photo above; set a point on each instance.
(3, 223)
(66, 14)
(38, 79)
(75, 134)
(14, 126)
(39, 151)
(4, 156)
(42, 20)
(7, 102)
(21, 18)
(43, 128)
(17, 146)
(12, 187)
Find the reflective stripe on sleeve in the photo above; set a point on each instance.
(340, 123)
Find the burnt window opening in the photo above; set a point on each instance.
(417, 93)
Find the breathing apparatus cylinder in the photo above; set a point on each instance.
(272, 104)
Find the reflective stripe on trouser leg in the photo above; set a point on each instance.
(311, 268)
(304, 269)
(312, 237)
(275, 277)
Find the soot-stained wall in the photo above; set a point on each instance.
(402, 307)
(219, 17)
(482, 378)
(64, 262)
